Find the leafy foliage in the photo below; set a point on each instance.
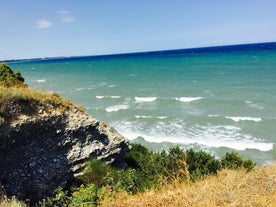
(61, 199)
(95, 172)
(234, 161)
(9, 78)
(201, 163)
(85, 196)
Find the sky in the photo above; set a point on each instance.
(54, 28)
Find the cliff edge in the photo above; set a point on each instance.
(46, 141)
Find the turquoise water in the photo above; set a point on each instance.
(218, 101)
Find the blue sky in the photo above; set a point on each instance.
(49, 28)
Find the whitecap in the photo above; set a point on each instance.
(188, 99)
(116, 108)
(162, 117)
(141, 116)
(175, 131)
(41, 80)
(115, 97)
(213, 115)
(237, 118)
(254, 105)
(145, 99)
(150, 117)
(99, 97)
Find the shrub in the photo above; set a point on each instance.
(95, 172)
(61, 199)
(8, 78)
(154, 167)
(201, 163)
(85, 196)
(129, 180)
(234, 161)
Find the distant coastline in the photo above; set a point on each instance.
(223, 48)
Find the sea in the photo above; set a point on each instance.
(216, 99)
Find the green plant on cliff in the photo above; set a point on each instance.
(234, 161)
(9, 78)
(201, 164)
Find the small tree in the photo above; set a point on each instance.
(9, 78)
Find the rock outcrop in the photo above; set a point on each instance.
(42, 148)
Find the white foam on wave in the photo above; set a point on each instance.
(162, 117)
(116, 108)
(237, 118)
(41, 81)
(141, 116)
(113, 97)
(145, 99)
(213, 115)
(188, 99)
(205, 135)
(80, 89)
(150, 117)
(254, 105)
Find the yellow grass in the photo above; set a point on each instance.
(13, 202)
(228, 188)
(25, 93)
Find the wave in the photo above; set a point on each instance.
(254, 105)
(150, 117)
(237, 118)
(145, 99)
(177, 132)
(81, 89)
(144, 117)
(41, 80)
(213, 115)
(113, 97)
(188, 99)
(116, 108)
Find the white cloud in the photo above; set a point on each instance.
(43, 24)
(66, 16)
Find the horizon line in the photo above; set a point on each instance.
(165, 51)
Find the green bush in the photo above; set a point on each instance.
(201, 164)
(85, 196)
(129, 180)
(61, 199)
(154, 167)
(9, 78)
(96, 172)
(234, 161)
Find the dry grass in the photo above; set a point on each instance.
(25, 93)
(13, 202)
(228, 188)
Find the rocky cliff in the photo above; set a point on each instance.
(42, 148)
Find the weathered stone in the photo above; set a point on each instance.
(42, 151)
